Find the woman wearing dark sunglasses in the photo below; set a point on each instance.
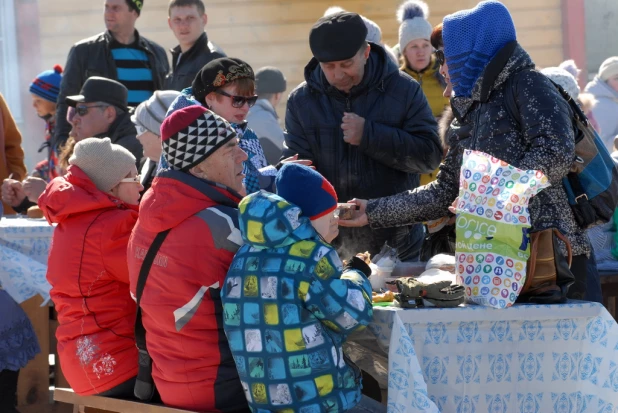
(226, 86)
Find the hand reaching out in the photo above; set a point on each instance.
(359, 219)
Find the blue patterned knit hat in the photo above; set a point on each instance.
(47, 84)
(471, 39)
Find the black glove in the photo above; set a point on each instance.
(356, 263)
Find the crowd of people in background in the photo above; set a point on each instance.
(180, 200)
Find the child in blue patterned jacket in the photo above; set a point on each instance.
(289, 304)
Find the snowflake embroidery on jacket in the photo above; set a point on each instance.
(104, 366)
(86, 350)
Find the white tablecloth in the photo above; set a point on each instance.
(24, 247)
(559, 358)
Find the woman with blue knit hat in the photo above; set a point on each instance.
(485, 63)
(44, 90)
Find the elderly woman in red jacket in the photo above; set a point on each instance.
(95, 207)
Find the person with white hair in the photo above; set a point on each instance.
(604, 87)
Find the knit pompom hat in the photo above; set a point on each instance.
(105, 163)
(571, 67)
(374, 33)
(151, 113)
(471, 39)
(307, 189)
(608, 68)
(564, 79)
(47, 84)
(192, 134)
(412, 16)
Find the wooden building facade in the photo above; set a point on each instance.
(268, 32)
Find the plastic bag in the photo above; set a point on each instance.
(493, 222)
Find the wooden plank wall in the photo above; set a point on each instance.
(275, 32)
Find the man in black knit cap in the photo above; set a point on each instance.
(366, 126)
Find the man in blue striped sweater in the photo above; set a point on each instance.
(119, 53)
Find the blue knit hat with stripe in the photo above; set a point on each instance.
(471, 39)
(47, 84)
(307, 189)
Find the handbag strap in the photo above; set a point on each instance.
(566, 242)
(144, 383)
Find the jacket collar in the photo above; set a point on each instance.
(139, 40)
(216, 192)
(431, 69)
(200, 45)
(122, 126)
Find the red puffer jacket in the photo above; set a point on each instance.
(192, 365)
(87, 269)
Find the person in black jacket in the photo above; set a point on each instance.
(187, 19)
(119, 53)
(366, 126)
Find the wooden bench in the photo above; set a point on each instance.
(98, 404)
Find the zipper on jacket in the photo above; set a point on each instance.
(350, 165)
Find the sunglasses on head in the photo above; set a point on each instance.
(239, 101)
(83, 110)
(440, 57)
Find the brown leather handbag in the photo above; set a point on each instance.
(548, 274)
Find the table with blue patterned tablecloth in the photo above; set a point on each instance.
(526, 359)
(24, 247)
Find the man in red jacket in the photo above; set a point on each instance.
(197, 200)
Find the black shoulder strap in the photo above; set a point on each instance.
(510, 102)
(144, 385)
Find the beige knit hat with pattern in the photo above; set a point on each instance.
(105, 163)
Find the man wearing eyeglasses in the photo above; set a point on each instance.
(366, 126)
(101, 111)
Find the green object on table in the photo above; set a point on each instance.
(384, 304)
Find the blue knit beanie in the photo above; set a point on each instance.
(307, 189)
(471, 39)
(47, 84)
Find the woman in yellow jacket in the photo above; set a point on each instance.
(418, 59)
